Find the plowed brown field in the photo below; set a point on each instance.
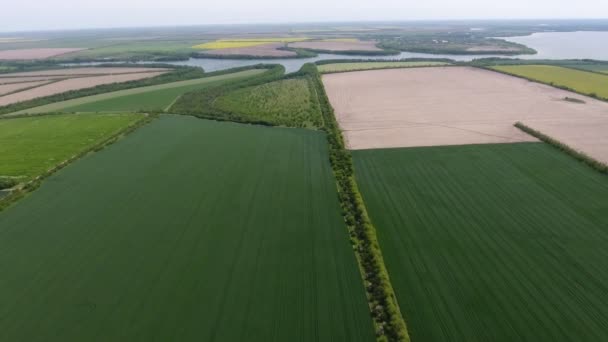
(459, 105)
(30, 54)
(72, 84)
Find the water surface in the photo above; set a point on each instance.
(566, 45)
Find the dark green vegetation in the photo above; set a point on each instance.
(253, 250)
(492, 242)
(601, 68)
(469, 43)
(31, 145)
(155, 98)
(382, 303)
(388, 320)
(203, 103)
(287, 102)
(7, 182)
(578, 155)
(179, 74)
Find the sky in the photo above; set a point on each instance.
(26, 15)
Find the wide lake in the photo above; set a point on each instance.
(550, 45)
(566, 45)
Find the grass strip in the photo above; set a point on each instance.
(25, 188)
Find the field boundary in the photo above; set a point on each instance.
(382, 301)
(24, 189)
(447, 64)
(593, 96)
(576, 154)
(387, 317)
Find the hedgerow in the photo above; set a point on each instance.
(578, 155)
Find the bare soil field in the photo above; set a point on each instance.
(12, 80)
(337, 46)
(265, 50)
(29, 54)
(9, 88)
(458, 106)
(73, 84)
(81, 71)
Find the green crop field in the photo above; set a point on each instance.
(343, 67)
(186, 230)
(157, 97)
(585, 82)
(603, 68)
(492, 242)
(31, 145)
(285, 102)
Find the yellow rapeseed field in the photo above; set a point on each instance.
(246, 42)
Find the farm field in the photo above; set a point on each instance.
(581, 81)
(603, 68)
(252, 49)
(147, 49)
(13, 87)
(246, 42)
(255, 248)
(70, 84)
(285, 102)
(359, 66)
(497, 242)
(157, 97)
(337, 45)
(459, 105)
(35, 54)
(31, 145)
(91, 71)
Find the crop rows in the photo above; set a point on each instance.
(187, 230)
(491, 242)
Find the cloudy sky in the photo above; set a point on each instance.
(61, 14)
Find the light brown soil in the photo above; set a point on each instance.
(266, 50)
(337, 46)
(31, 54)
(459, 105)
(11, 80)
(9, 88)
(81, 71)
(72, 84)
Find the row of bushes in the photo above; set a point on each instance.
(21, 190)
(580, 156)
(389, 322)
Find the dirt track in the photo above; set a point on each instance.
(33, 54)
(72, 84)
(337, 46)
(459, 105)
